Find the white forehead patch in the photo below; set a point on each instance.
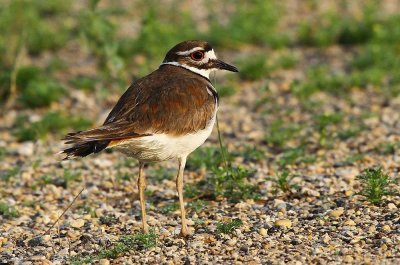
(210, 55)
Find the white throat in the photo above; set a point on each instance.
(202, 72)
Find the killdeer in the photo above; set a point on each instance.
(164, 115)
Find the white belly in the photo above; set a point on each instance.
(160, 147)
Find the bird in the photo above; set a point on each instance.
(165, 115)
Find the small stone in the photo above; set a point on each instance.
(283, 223)
(350, 222)
(326, 238)
(231, 242)
(372, 229)
(104, 262)
(348, 193)
(386, 228)
(36, 241)
(26, 149)
(78, 223)
(263, 232)
(337, 212)
(392, 206)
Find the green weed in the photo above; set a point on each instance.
(169, 207)
(206, 157)
(3, 153)
(282, 182)
(375, 185)
(70, 176)
(6, 175)
(231, 183)
(294, 156)
(227, 228)
(41, 93)
(127, 243)
(280, 132)
(253, 68)
(388, 148)
(51, 122)
(322, 123)
(8, 211)
(251, 22)
(108, 220)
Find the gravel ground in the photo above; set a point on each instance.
(323, 222)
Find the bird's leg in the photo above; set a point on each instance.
(141, 183)
(179, 188)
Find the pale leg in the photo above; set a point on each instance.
(141, 183)
(179, 188)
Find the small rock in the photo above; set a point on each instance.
(326, 238)
(104, 262)
(283, 223)
(78, 223)
(337, 212)
(392, 206)
(372, 229)
(36, 241)
(103, 163)
(26, 149)
(350, 222)
(386, 228)
(231, 242)
(263, 232)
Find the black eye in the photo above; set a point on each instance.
(197, 56)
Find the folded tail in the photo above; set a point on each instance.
(86, 148)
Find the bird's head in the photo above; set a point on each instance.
(197, 56)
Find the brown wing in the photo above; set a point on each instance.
(176, 107)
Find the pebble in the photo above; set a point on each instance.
(283, 223)
(78, 223)
(232, 242)
(392, 206)
(263, 232)
(386, 228)
(26, 149)
(337, 212)
(349, 222)
(104, 262)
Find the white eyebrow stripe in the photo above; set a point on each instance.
(189, 51)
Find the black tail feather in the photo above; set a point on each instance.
(85, 149)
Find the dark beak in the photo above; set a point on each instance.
(224, 66)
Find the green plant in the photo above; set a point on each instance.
(51, 122)
(206, 157)
(8, 211)
(294, 155)
(283, 183)
(41, 93)
(252, 22)
(375, 185)
(108, 220)
(322, 123)
(253, 68)
(6, 175)
(279, 133)
(169, 207)
(388, 148)
(70, 176)
(228, 227)
(125, 244)
(231, 183)
(197, 205)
